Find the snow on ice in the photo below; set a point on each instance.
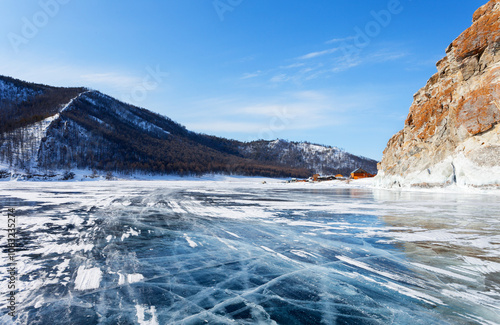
(234, 250)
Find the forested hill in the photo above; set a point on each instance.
(23, 103)
(49, 128)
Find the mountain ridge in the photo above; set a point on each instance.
(50, 128)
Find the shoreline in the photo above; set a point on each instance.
(82, 176)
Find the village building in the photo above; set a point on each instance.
(361, 173)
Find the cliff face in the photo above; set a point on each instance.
(452, 133)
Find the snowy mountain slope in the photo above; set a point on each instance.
(25, 155)
(9, 91)
(49, 128)
(320, 159)
(23, 103)
(26, 112)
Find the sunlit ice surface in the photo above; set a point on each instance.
(215, 252)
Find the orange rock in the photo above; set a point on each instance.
(460, 101)
(484, 31)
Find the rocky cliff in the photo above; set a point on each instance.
(452, 135)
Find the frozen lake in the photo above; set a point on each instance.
(242, 252)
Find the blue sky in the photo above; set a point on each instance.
(339, 73)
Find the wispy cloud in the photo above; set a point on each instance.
(251, 75)
(287, 114)
(325, 63)
(345, 63)
(113, 82)
(292, 66)
(282, 77)
(338, 40)
(220, 126)
(318, 54)
(385, 55)
(115, 79)
(293, 110)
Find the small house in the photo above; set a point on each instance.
(361, 173)
(326, 178)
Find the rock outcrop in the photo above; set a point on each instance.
(452, 135)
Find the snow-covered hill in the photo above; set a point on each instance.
(10, 92)
(321, 159)
(45, 128)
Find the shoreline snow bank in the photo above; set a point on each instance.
(420, 183)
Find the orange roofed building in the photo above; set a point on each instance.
(361, 173)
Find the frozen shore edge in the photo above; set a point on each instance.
(379, 182)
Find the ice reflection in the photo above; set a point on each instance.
(454, 242)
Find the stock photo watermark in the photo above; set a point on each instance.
(364, 36)
(11, 262)
(150, 82)
(224, 6)
(32, 26)
(278, 122)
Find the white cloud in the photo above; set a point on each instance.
(282, 77)
(112, 82)
(293, 65)
(319, 53)
(338, 40)
(331, 61)
(115, 79)
(346, 63)
(278, 115)
(385, 55)
(251, 75)
(220, 126)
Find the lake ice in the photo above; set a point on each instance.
(243, 252)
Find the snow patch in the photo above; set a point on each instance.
(302, 253)
(141, 315)
(190, 241)
(481, 266)
(135, 277)
(88, 279)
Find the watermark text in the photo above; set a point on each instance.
(11, 261)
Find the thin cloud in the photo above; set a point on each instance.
(282, 114)
(293, 65)
(346, 63)
(218, 126)
(112, 82)
(338, 40)
(317, 54)
(251, 75)
(282, 77)
(385, 56)
(111, 78)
